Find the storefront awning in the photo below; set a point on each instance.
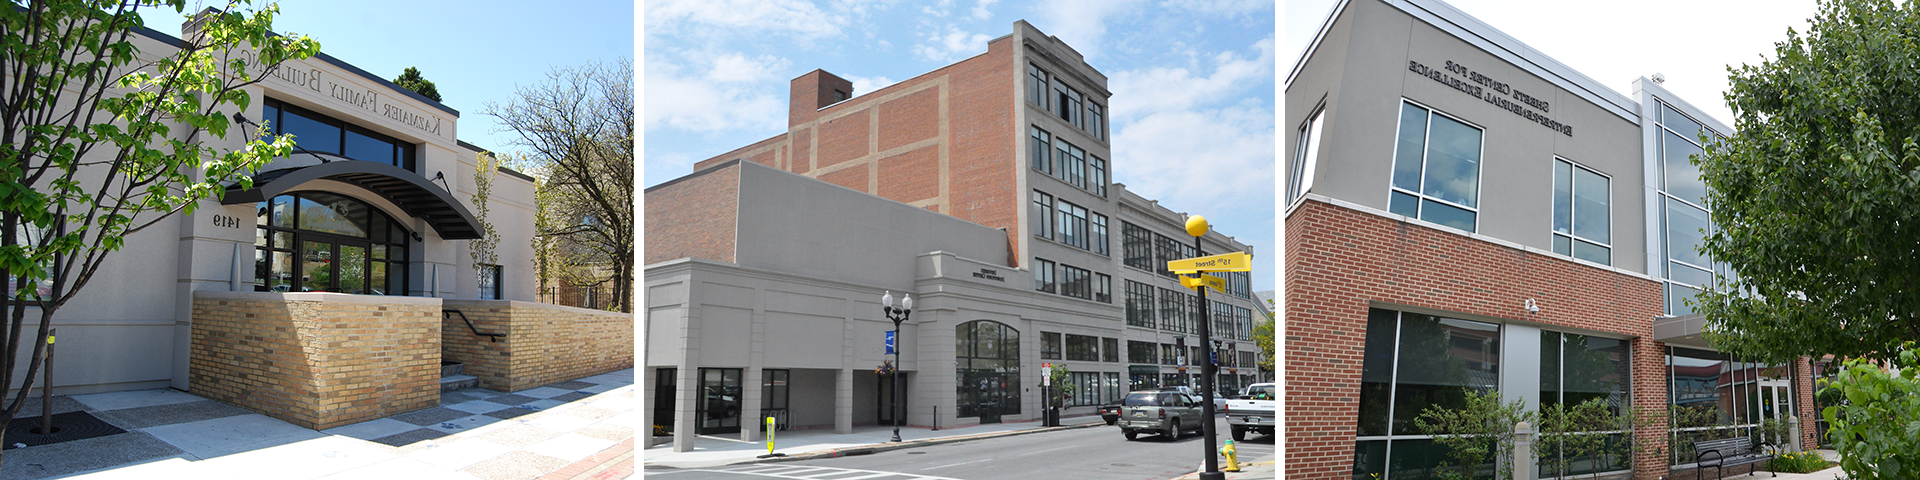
(411, 192)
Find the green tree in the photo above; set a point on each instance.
(578, 128)
(482, 249)
(101, 140)
(1263, 336)
(1062, 385)
(1814, 196)
(1874, 430)
(410, 79)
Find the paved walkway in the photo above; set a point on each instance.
(577, 428)
(713, 451)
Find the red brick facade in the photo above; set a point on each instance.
(944, 140)
(1340, 262)
(695, 218)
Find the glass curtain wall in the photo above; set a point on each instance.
(1414, 362)
(1578, 368)
(1683, 209)
(1715, 395)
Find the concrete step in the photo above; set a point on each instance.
(458, 382)
(448, 369)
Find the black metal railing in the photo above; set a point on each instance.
(491, 337)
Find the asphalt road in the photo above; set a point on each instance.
(1098, 452)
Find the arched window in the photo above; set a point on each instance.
(987, 355)
(325, 242)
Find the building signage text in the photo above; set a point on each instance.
(1486, 88)
(226, 221)
(315, 80)
(989, 274)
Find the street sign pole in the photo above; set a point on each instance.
(1207, 369)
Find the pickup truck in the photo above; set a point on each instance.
(1252, 412)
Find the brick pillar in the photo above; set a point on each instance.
(1803, 403)
(1650, 396)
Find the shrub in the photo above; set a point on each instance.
(1874, 430)
(1799, 462)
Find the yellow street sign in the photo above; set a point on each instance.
(1216, 283)
(1225, 262)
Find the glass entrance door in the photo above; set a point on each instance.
(333, 264)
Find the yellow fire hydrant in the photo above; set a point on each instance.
(1233, 465)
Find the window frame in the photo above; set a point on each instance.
(1573, 213)
(1306, 147)
(1040, 149)
(1051, 345)
(1042, 209)
(1037, 85)
(1044, 276)
(495, 274)
(1426, 147)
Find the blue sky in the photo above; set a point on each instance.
(475, 52)
(1192, 111)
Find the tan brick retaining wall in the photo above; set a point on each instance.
(545, 343)
(318, 360)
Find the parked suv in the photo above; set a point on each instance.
(1161, 412)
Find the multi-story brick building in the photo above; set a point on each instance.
(1465, 214)
(984, 190)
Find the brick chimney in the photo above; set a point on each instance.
(813, 91)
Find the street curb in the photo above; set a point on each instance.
(885, 447)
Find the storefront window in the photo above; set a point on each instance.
(987, 355)
(1414, 362)
(1715, 395)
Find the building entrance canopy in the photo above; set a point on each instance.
(408, 190)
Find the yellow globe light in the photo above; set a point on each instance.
(1196, 225)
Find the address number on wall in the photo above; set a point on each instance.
(226, 221)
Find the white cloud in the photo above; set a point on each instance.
(1220, 7)
(758, 17)
(980, 10)
(940, 10)
(1219, 156)
(1166, 89)
(727, 92)
(866, 85)
(951, 45)
(737, 68)
(1081, 23)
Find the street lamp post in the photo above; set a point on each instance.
(897, 315)
(1197, 226)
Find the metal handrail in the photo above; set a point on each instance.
(491, 337)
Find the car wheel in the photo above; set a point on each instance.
(1239, 434)
(1130, 434)
(1173, 429)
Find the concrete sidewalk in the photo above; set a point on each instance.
(712, 451)
(474, 434)
(1262, 468)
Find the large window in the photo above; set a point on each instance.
(1071, 229)
(1436, 169)
(1102, 288)
(1043, 276)
(1577, 368)
(1139, 304)
(1041, 217)
(1036, 85)
(1683, 209)
(1096, 121)
(1413, 362)
(1109, 349)
(1097, 176)
(987, 370)
(1137, 246)
(1076, 282)
(1581, 212)
(1041, 152)
(1142, 352)
(1715, 395)
(1173, 311)
(1166, 250)
(1306, 149)
(1050, 345)
(1083, 348)
(323, 242)
(319, 133)
(1097, 237)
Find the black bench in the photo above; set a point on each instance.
(1728, 452)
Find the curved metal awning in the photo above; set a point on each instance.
(411, 192)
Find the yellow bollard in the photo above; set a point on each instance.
(1233, 464)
